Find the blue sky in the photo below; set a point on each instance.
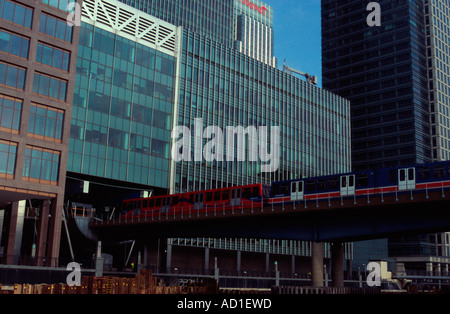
(297, 27)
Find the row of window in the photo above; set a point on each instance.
(46, 54)
(40, 165)
(44, 122)
(21, 15)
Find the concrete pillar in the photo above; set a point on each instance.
(293, 264)
(145, 256)
(169, 257)
(2, 218)
(15, 233)
(42, 233)
(99, 260)
(206, 260)
(429, 269)
(337, 270)
(238, 261)
(317, 264)
(54, 232)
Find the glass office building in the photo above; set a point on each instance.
(123, 108)
(396, 78)
(382, 71)
(98, 102)
(227, 88)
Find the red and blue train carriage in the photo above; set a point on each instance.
(385, 181)
(201, 201)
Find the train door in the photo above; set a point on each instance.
(235, 197)
(297, 192)
(198, 201)
(348, 185)
(406, 179)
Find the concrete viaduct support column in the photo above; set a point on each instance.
(337, 264)
(42, 233)
(15, 233)
(54, 232)
(317, 264)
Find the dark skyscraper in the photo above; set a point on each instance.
(396, 77)
(383, 72)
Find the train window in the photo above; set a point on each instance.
(217, 196)
(321, 184)
(158, 202)
(362, 180)
(411, 173)
(310, 186)
(238, 193)
(151, 203)
(226, 195)
(145, 204)
(175, 200)
(294, 187)
(284, 188)
(402, 175)
(333, 183)
(392, 176)
(351, 181)
(439, 171)
(247, 193)
(276, 189)
(423, 173)
(300, 186)
(209, 196)
(255, 192)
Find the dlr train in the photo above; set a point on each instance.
(356, 184)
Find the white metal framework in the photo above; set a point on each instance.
(116, 17)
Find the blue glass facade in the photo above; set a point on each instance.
(227, 88)
(122, 113)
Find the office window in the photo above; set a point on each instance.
(52, 56)
(8, 152)
(16, 13)
(41, 165)
(10, 112)
(49, 86)
(60, 4)
(55, 27)
(14, 44)
(46, 123)
(12, 76)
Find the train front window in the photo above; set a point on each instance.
(310, 186)
(439, 172)
(285, 188)
(362, 180)
(333, 183)
(321, 184)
